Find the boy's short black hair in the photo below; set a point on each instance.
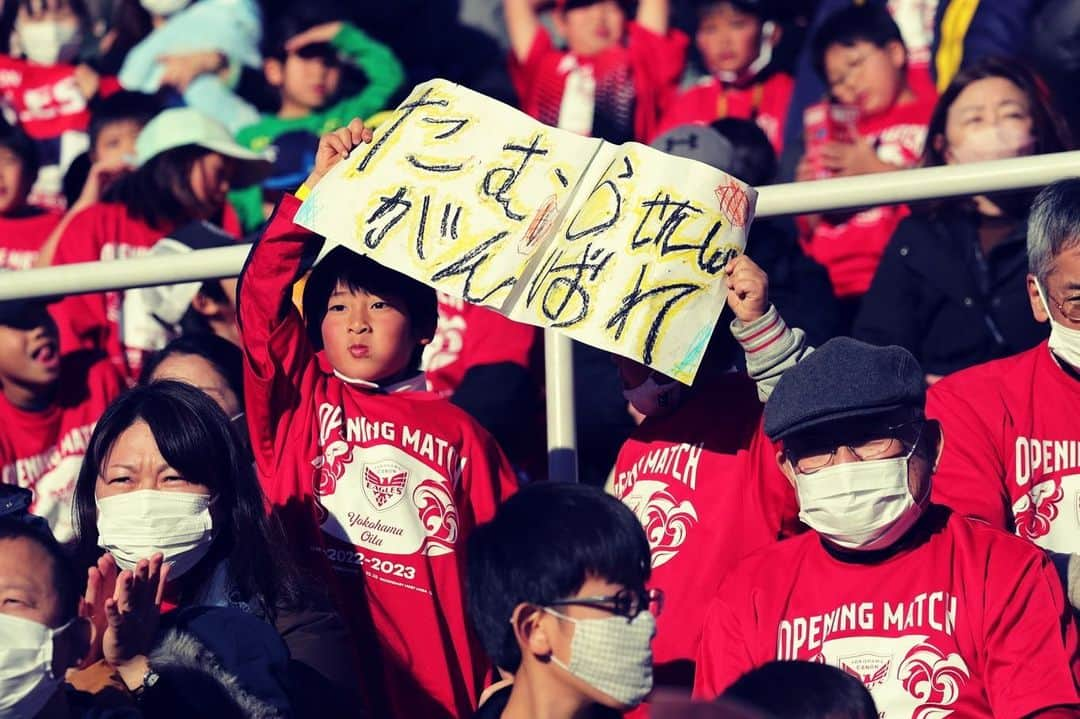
(361, 272)
(290, 22)
(23, 147)
(541, 546)
(809, 691)
(120, 106)
(858, 23)
(754, 160)
(16, 522)
(762, 9)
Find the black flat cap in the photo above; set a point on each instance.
(844, 378)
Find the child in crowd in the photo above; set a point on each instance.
(115, 123)
(379, 483)
(44, 87)
(48, 408)
(303, 58)
(860, 53)
(704, 483)
(614, 76)
(24, 228)
(187, 162)
(556, 587)
(735, 39)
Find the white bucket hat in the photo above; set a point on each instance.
(185, 126)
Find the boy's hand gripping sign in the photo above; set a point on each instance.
(621, 247)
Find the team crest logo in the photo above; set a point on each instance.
(1035, 511)
(666, 520)
(870, 669)
(384, 484)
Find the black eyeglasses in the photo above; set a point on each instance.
(626, 602)
(893, 441)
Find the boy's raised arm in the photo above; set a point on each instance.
(277, 352)
(654, 15)
(522, 25)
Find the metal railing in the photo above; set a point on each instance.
(773, 200)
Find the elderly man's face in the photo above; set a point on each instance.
(1063, 290)
(862, 440)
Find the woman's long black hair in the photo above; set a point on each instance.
(159, 193)
(196, 439)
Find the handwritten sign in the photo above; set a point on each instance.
(619, 246)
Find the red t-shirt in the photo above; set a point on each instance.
(378, 490)
(47, 102)
(1012, 447)
(766, 103)
(469, 335)
(106, 232)
(706, 487)
(970, 622)
(43, 451)
(21, 237)
(633, 81)
(850, 250)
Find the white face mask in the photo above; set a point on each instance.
(612, 655)
(859, 505)
(1064, 341)
(27, 682)
(653, 399)
(135, 525)
(992, 142)
(47, 42)
(164, 8)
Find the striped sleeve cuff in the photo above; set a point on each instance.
(767, 335)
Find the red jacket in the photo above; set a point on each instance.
(104, 232)
(1012, 447)
(766, 103)
(851, 249)
(634, 81)
(378, 488)
(22, 236)
(43, 450)
(707, 489)
(968, 622)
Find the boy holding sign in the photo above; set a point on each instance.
(378, 484)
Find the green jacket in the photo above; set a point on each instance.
(385, 75)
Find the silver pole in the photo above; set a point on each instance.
(561, 433)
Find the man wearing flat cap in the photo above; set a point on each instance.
(937, 614)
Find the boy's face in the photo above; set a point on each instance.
(13, 189)
(593, 28)
(865, 75)
(115, 142)
(560, 635)
(30, 353)
(728, 39)
(307, 78)
(366, 336)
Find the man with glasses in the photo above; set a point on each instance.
(936, 613)
(1013, 457)
(556, 592)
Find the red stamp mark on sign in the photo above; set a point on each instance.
(734, 203)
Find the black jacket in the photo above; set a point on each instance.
(936, 294)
